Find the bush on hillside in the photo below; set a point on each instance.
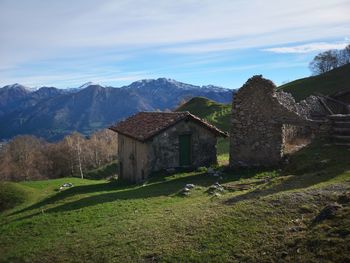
(108, 171)
(10, 196)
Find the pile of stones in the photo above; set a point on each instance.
(66, 185)
(186, 191)
(215, 189)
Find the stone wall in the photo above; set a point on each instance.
(310, 108)
(164, 148)
(137, 160)
(259, 115)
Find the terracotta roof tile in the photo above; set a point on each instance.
(145, 125)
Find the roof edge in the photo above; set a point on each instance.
(203, 123)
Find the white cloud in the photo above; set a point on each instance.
(271, 65)
(84, 31)
(75, 79)
(306, 48)
(35, 28)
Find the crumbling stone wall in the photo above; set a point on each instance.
(259, 115)
(310, 108)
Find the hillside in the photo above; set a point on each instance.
(215, 113)
(53, 113)
(331, 82)
(261, 216)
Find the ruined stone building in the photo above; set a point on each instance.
(262, 121)
(153, 141)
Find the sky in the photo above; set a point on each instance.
(115, 42)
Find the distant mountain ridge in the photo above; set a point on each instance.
(52, 113)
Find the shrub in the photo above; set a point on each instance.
(10, 196)
(202, 169)
(104, 172)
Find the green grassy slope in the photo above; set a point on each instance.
(215, 113)
(328, 83)
(11, 195)
(25, 193)
(263, 216)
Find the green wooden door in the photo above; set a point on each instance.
(185, 150)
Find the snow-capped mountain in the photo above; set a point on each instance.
(52, 113)
(87, 84)
(16, 86)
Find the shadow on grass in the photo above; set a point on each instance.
(310, 166)
(158, 185)
(77, 190)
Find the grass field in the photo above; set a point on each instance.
(262, 216)
(215, 113)
(336, 80)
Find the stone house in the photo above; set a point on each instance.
(263, 119)
(153, 141)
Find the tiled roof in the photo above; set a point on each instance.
(145, 125)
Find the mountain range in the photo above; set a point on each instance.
(52, 113)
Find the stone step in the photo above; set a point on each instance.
(341, 138)
(341, 124)
(341, 131)
(342, 144)
(339, 117)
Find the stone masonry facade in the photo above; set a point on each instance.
(152, 141)
(260, 119)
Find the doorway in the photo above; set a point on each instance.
(185, 150)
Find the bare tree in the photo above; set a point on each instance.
(24, 158)
(102, 147)
(61, 158)
(344, 56)
(28, 158)
(75, 143)
(329, 60)
(6, 166)
(324, 62)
